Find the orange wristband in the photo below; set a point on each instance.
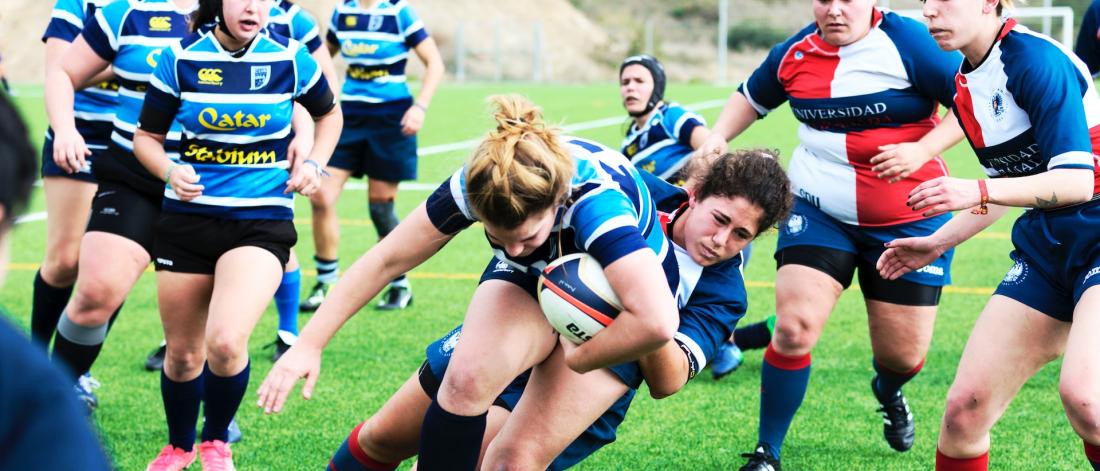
(982, 208)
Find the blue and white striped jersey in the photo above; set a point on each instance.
(292, 21)
(130, 34)
(93, 107)
(235, 114)
(610, 214)
(375, 43)
(662, 146)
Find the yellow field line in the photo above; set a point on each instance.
(474, 276)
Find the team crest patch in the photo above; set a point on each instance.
(798, 55)
(997, 105)
(375, 23)
(1016, 274)
(449, 344)
(796, 224)
(261, 75)
(502, 266)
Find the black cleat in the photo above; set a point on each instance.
(897, 423)
(155, 361)
(315, 298)
(397, 297)
(761, 460)
(281, 346)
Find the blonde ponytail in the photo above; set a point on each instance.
(520, 169)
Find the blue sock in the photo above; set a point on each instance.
(222, 396)
(286, 300)
(888, 382)
(181, 409)
(449, 441)
(350, 457)
(783, 383)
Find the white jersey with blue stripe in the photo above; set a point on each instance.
(130, 34)
(292, 21)
(662, 146)
(1029, 107)
(95, 104)
(235, 114)
(375, 43)
(610, 213)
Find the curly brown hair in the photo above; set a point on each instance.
(753, 174)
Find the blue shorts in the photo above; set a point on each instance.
(1057, 258)
(373, 145)
(96, 136)
(600, 433)
(808, 225)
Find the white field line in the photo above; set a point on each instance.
(452, 147)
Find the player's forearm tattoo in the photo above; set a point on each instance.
(1047, 203)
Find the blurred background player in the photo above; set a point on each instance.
(292, 21)
(43, 425)
(536, 194)
(853, 69)
(381, 120)
(126, 37)
(744, 195)
(1047, 303)
(226, 230)
(69, 192)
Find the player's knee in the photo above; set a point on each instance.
(224, 349)
(381, 444)
(323, 200)
(515, 457)
(1082, 404)
(182, 361)
(964, 409)
(464, 391)
(794, 337)
(94, 302)
(59, 267)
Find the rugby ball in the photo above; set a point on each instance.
(576, 298)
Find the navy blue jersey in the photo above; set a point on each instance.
(1088, 38)
(93, 107)
(662, 146)
(292, 21)
(611, 213)
(375, 43)
(235, 114)
(1029, 107)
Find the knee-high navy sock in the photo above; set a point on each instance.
(46, 306)
(754, 336)
(77, 347)
(221, 397)
(181, 409)
(1092, 452)
(384, 218)
(783, 383)
(449, 441)
(888, 382)
(286, 300)
(350, 457)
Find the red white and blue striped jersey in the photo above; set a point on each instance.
(881, 89)
(1029, 107)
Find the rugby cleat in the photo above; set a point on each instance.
(216, 456)
(171, 459)
(282, 343)
(761, 459)
(155, 360)
(397, 297)
(727, 360)
(235, 434)
(85, 391)
(315, 298)
(897, 423)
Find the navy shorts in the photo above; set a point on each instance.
(1057, 258)
(96, 136)
(600, 433)
(191, 243)
(373, 145)
(808, 225)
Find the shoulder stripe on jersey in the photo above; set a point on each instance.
(760, 109)
(458, 192)
(68, 18)
(608, 226)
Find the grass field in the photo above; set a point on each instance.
(706, 426)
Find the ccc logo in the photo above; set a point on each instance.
(160, 23)
(210, 76)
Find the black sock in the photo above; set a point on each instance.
(752, 336)
(449, 441)
(77, 347)
(221, 397)
(48, 302)
(384, 218)
(181, 409)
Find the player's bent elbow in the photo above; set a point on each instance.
(661, 390)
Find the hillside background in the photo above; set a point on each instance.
(582, 40)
